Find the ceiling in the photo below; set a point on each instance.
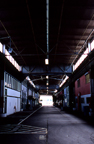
(71, 24)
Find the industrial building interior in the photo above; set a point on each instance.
(46, 49)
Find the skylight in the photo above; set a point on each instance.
(83, 56)
(9, 57)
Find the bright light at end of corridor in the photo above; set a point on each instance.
(46, 100)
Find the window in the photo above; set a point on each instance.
(87, 78)
(81, 59)
(78, 82)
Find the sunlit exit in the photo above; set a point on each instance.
(46, 100)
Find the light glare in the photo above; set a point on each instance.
(46, 61)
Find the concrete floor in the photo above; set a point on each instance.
(62, 128)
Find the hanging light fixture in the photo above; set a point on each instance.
(47, 77)
(46, 61)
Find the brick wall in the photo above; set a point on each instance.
(84, 88)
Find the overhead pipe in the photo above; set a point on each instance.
(47, 27)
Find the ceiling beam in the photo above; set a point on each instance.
(53, 70)
(49, 87)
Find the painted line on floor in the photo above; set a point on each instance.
(29, 116)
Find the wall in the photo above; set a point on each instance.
(23, 97)
(12, 93)
(66, 97)
(84, 88)
(85, 101)
(30, 92)
(13, 100)
(82, 93)
(36, 98)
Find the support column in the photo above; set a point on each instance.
(92, 88)
(72, 96)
